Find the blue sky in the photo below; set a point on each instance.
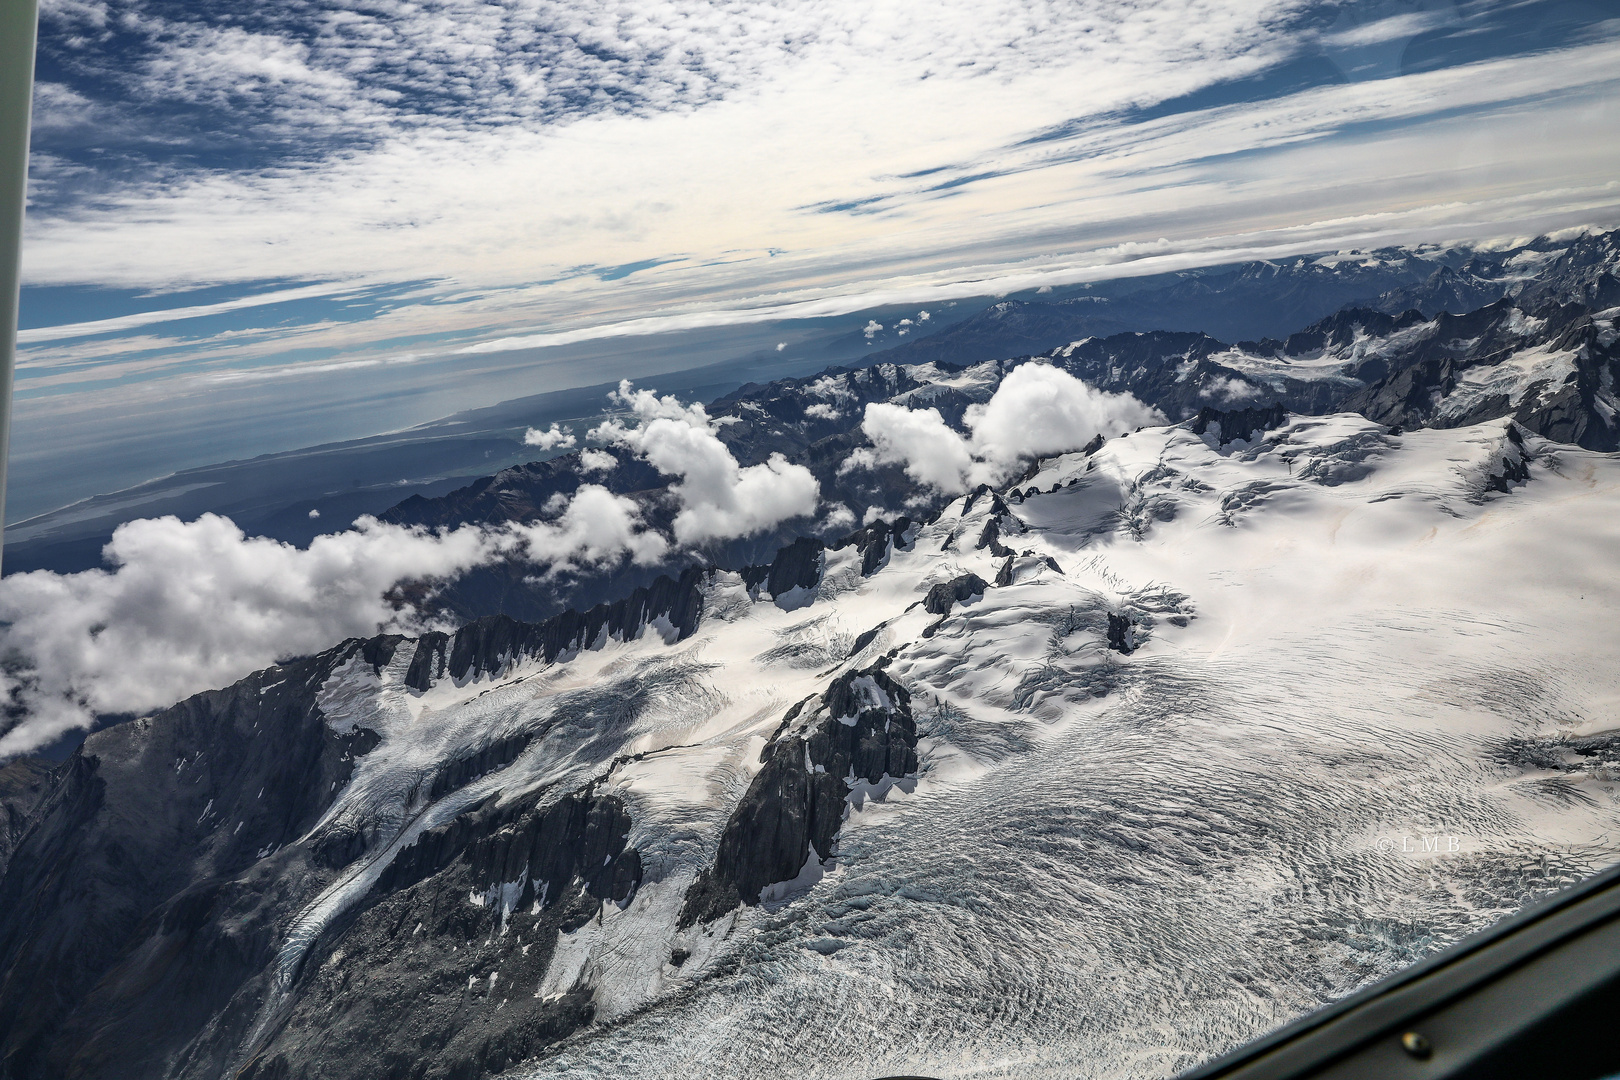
(233, 192)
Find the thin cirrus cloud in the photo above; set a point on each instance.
(496, 146)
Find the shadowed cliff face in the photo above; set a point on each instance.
(860, 730)
(23, 783)
(155, 879)
(409, 983)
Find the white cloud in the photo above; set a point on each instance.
(872, 327)
(647, 405)
(1038, 410)
(189, 606)
(597, 528)
(593, 461)
(313, 514)
(838, 517)
(1230, 390)
(1400, 28)
(718, 497)
(780, 345)
(919, 439)
(822, 410)
(553, 438)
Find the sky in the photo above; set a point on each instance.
(235, 206)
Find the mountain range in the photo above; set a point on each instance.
(1156, 742)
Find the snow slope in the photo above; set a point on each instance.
(1349, 731)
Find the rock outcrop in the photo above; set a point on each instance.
(862, 730)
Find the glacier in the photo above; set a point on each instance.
(1242, 725)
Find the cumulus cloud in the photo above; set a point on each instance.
(1038, 410)
(718, 497)
(839, 517)
(188, 606)
(191, 605)
(932, 453)
(647, 405)
(597, 527)
(552, 438)
(1229, 391)
(595, 461)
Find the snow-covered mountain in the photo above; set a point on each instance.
(1098, 773)
(1272, 298)
(1547, 358)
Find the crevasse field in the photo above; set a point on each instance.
(1370, 706)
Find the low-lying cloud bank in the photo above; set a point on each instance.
(1038, 410)
(187, 606)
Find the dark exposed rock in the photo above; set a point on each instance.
(1239, 423)
(947, 594)
(489, 645)
(427, 665)
(1121, 634)
(1004, 576)
(1345, 327)
(864, 640)
(991, 538)
(179, 832)
(997, 506)
(579, 836)
(23, 782)
(444, 989)
(1514, 470)
(461, 771)
(792, 810)
(796, 566)
(1515, 464)
(877, 541)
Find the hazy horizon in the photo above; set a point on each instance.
(252, 229)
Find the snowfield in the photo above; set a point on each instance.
(1370, 704)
